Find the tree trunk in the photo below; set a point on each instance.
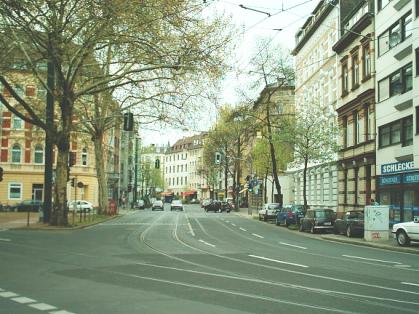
(101, 174)
(305, 183)
(265, 191)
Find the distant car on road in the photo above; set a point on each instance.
(269, 211)
(176, 205)
(27, 205)
(318, 219)
(140, 204)
(157, 204)
(289, 215)
(81, 205)
(404, 232)
(352, 223)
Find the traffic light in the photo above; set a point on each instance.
(1, 174)
(72, 158)
(128, 121)
(73, 182)
(217, 158)
(157, 164)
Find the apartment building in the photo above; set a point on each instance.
(151, 170)
(397, 98)
(356, 105)
(316, 81)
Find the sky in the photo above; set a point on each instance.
(278, 19)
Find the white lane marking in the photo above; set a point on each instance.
(23, 300)
(256, 235)
(8, 294)
(233, 224)
(209, 244)
(227, 221)
(371, 259)
(42, 306)
(190, 227)
(6, 240)
(3, 229)
(242, 229)
(402, 266)
(277, 261)
(61, 312)
(297, 246)
(410, 283)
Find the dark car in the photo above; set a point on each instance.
(27, 205)
(318, 219)
(226, 206)
(350, 224)
(213, 206)
(289, 215)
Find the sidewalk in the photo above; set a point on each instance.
(389, 244)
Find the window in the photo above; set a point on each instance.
(407, 131)
(345, 79)
(383, 90)
(356, 175)
(359, 128)
(17, 122)
(417, 60)
(397, 83)
(15, 191)
(84, 157)
(366, 61)
(16, 153)
(370, 124)
(355, 71)
(396, 34)
(389, 134)
(417, 120)
(417, 7)
(39, 154)
(382, 4)
(349, 134)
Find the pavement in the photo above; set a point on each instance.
(389, 244)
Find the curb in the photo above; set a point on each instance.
(54, 228)
(373, 245)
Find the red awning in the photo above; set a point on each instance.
(188, 193)
(167, 193)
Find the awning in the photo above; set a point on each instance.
(167, 193)
(189, 193)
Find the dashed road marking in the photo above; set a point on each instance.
(5, 240)
(23, 300)
(233, 225)
(190, 226)
(209, 244)
(242, 229)
(8, 294)
(372, 259)
(258, 236)
(42, 306)
(410, 283)
(61, 312)
(277, 261)
(296, 246)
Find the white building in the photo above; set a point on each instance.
(397, 98)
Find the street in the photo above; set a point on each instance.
(197, 262)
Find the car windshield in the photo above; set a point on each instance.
(273, 206)
(176, 202)
(356, 215)
(324, 213)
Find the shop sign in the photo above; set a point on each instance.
(411, 177)
(387, 180)
(397, 167)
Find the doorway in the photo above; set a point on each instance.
(37, 192)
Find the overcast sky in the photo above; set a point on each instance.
(286, 15)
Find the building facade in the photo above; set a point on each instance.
(317, 81)
(356, 105)
(397, 98)
(151, 170)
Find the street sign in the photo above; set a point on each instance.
(80, 184)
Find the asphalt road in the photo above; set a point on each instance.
(196, 262)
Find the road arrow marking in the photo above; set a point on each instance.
(209, 244)
(256, 235)
(297, 246)
(277, 261)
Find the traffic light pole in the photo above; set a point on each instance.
(135, 171)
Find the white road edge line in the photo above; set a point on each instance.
(259, 236)
(371, 259)
(5, 240)
(277, 261)
(242, 229)
(410, 283)
(209, 244)
(297, 246)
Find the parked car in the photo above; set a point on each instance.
(404, 232)
(176, 205)
(140, 204)
(81, 205)
(352, 223)
(157, 204)
(226, 206)
(27, 205)
(289, 215)
(205, 202)
(318, 219)
(269, 211)
(215, 206)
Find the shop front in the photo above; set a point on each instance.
(398, 187)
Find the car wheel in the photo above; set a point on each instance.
(287, 223)
(402, 238)
(277, 222)
(313, 230)
(349, 231)
(265, 218)
(301, 229)
(335, 230)
(260, 217)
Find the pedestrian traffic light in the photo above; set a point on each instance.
(73, 182)
(157, 164)
(72, 158)
(128, 121)
(217, 158)
(1, 174)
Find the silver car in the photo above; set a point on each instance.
(157, 205)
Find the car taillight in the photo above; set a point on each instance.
(289, 214)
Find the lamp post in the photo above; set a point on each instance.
(135, 171)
